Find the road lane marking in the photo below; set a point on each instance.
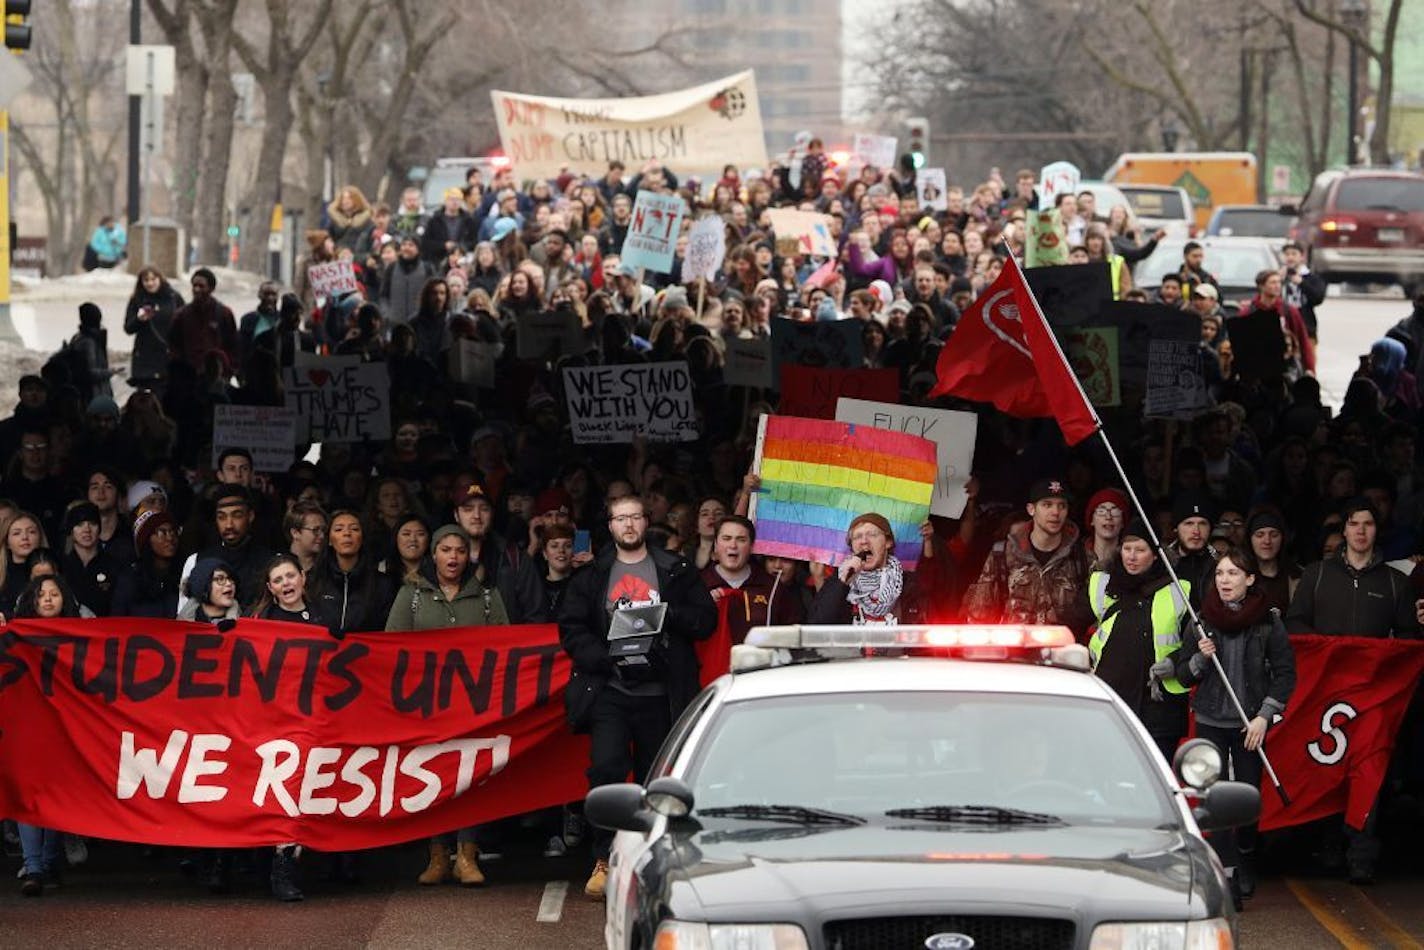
(1395, 934)
(551, 905)
(1338, 926)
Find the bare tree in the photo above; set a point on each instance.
(1383, 55)
(70, 147)
(176, 23)
(275, 69)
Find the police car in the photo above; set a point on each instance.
(941, 787)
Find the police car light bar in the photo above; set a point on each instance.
(1039, 643)
(882, 636)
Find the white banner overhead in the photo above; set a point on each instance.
(712, 125)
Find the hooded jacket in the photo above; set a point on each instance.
(359, 599)
(420, 604)
(1013, 588)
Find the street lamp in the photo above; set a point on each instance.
(328, 172)
(1355, 15)
(1170, 134)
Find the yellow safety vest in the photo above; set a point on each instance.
(1168, 609)
(1116, 264)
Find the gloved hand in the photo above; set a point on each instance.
(1156, 673)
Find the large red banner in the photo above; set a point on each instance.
(1332, 748)
(175, 733)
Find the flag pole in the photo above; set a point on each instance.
(1151, 531)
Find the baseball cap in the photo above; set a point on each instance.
(1046, 488)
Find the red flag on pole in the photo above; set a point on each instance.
(1333, 747)
(1003, 352)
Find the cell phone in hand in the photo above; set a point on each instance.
(582, 542)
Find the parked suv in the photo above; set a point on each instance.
(1161, 206)
(1365, 225)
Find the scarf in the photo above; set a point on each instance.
(1122, 584)
(874, 593)
(1233, 618)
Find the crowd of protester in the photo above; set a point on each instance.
(481, 510)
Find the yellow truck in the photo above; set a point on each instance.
(1208, 178)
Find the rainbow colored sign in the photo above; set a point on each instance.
(817, 475)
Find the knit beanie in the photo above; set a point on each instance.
(200, 578)
(1105, 496)
(1265, 518)
(146, 524)
(872, 518)
(1136, 528)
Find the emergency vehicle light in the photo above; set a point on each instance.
(882, 636)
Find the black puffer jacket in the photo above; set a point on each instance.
(1335, 598)
(359, 599)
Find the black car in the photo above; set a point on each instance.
(908, 802)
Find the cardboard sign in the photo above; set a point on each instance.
(1071, 294)
(553, 333)
(931, 186)
(472, 362)
(811, 231)
(812, 393)
(952, 432)
(332, 280)
(268, 432)
(653, 231)
(825, 343)
(706, 249)
(709, 126)
(1175, 386)
(1093, 354)
(1057, 179)
(1046, 243)
(609, 404)
(340, 403)
(876, 150)
(748, 363)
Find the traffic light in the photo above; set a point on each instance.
(919, 128)
(17, 31)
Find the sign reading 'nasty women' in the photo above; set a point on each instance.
(610, 404)
(340, 402)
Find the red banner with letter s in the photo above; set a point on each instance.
(175, 733)
(1332, 749)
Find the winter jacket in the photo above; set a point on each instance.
(351, 231)
(421, 605)
(691, 616)
(1267, 669)
(1291, 322)
(192, 610)
(1197, 568)
(1012, 588)
(359, 599)
(93, 346)
(442, 229)
(1305, 296)
(142, 591)
(1336, 599)
(200, 327)
(150, 344)
(400, 290)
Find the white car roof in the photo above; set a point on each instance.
(920, 674)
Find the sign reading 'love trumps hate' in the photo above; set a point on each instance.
(339, 401)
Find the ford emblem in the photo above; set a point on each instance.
(949, 942)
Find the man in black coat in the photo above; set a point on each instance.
(633, 706)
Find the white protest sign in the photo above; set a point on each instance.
(333, 279)
(711, 125)
(336, 403)
(653, 231)
(1057, 179)
(877, 150)
(706, 249)
(931, 186)
(952, 433)
(268, 432)
(748, 363)
(812, 231)
(472, 361)
(610, 404)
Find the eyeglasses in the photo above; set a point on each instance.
(1232, 523)
(313, 528)
(628, 519)
(223, 579)
(34, 446)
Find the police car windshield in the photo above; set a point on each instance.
(916, 754)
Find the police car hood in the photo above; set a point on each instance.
(733, 868)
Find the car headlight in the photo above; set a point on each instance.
(1214, 934)
(687, 935)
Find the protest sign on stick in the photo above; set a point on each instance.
(332, 279)
(340, 403)
(268, 432)
(653, 231)
(951, 431)
(609, 404)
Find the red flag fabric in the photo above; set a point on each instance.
(176, 734)
(1003, 352)
(714, 655)
(1333, 746)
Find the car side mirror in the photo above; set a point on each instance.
(1288, 210)
(618, 808)
(669, 797)
(1228, 805)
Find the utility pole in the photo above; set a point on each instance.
(135, 118)
(14, 78)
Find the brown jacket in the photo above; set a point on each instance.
(1013, 588)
